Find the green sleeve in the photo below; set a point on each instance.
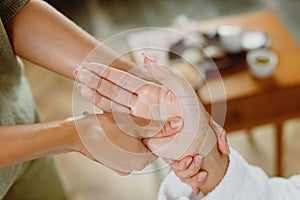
(8, 8)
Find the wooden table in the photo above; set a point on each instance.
(252, 102)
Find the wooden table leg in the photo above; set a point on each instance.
(279, 149)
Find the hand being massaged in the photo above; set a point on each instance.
(117, 91)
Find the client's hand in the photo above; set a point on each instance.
(102, 140)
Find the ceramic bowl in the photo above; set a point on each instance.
(262, 62)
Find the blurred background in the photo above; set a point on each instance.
(87, 180)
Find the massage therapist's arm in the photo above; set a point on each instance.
(42, 35)
(20, 143)
(25, 142)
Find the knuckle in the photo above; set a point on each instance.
(98, 100)
(177, 173)
(133, 100)
(99, 83)
(116, 92)
(106, 72)
(174, 165)
(193, 170)
(124, 80)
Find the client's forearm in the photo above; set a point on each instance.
(215, 163)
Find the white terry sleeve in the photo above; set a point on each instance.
(241, 181)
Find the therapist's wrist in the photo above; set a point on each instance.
(215, 164)
(72, 140)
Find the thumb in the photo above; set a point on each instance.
(156, 144)
(142, 128)
(171, 127)
(155, 129)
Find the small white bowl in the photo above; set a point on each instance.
(230, 37)
(262, 62)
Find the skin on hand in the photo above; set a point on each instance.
(119, 92)
(94, 75)
(114, 90)
(103, 141)
(188, 170)
(221, 137)
(205, 177)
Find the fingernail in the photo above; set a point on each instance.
(176, 124)
(148, 57)
(188, 162)
(201, 177)
(228, 149)
(84, 91)
(79, 86)
(198, 161)
(85, 78)
(84, 64)
(225, 146)
(76, 72)
(197, 191)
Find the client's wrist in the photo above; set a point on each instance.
(216, 164)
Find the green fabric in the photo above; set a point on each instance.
(37, 179)
(8, 8)
(16, 104)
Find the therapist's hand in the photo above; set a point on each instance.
(188, 169)
(117, 91)
(104, 141)
(114, 90)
